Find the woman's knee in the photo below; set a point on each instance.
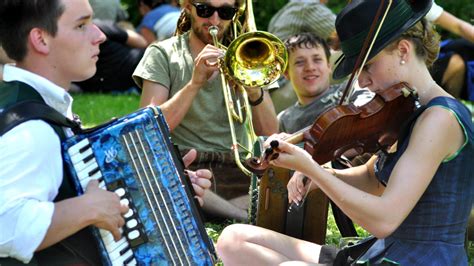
(230, 239)
(229, 235)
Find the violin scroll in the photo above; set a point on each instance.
(258, 165)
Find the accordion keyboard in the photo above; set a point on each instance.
(87, 169)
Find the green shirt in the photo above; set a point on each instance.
(205, 127)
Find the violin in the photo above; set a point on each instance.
(365, 129)
(368, 128)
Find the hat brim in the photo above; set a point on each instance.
(345, 65)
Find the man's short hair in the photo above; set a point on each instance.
(19, 17)
(307, 40)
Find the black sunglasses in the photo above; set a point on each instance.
(206, 11)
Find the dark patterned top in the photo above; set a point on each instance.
(434, 231)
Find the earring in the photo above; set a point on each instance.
(402, 62)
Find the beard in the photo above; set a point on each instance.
(203, 35)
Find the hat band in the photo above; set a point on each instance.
(394, 20)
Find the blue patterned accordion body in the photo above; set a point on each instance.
(134, 157)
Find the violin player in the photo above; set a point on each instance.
(416, 200)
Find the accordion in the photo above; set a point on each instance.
(134, 157)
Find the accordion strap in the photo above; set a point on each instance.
(28, 110)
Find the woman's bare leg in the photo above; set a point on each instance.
(242, 244)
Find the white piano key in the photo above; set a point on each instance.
(114, 245)
(85, 172)
(107, 238)
(85, 181)
(79, 163)
(102, 185)
(104, 233)
(75, 149)
(96, 176)
(121, 260)
(80, 156)
(132, 262)
(114, 251)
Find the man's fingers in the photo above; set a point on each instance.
(189, 157)
(204, 173)
(116, 233)
(124, 208)
(199, 190)
(201, 202)
(92, 183)
(203, 183)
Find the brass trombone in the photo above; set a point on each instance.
(254, 59)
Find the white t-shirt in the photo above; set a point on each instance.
(434, 13)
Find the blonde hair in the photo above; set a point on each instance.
(426, 41)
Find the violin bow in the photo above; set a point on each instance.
(366, 49)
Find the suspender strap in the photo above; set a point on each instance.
(28, 110)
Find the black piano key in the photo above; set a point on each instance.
(94, 171)
(85, 148)
(128, 260)
(88, 158)
(124, 250)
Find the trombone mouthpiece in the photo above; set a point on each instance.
(213, 30)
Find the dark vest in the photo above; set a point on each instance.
(78, 249)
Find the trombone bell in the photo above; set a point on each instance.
(255, 59)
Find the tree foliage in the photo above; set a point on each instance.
(265, 9)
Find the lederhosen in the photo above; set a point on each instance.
(78, 249)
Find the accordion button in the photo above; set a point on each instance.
(128, 214)
(125, 201)
(133, 234)
(132, 223)
(120, 192)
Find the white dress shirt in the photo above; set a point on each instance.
(31, 172)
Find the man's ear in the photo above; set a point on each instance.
(38, 39)
(285, 74)
(187, 7)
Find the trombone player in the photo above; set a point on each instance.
(180, 75)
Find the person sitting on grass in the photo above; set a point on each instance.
(42, 221)
(414, 199)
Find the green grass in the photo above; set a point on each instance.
(96, 108)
